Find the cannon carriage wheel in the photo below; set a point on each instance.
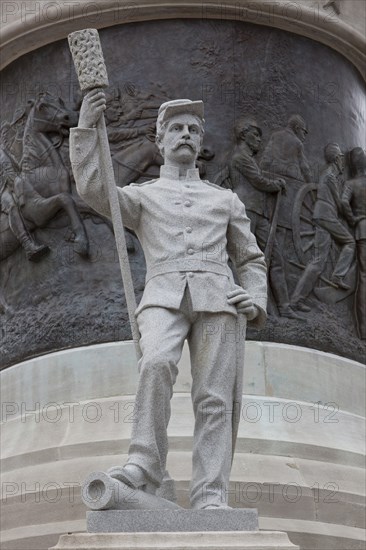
(303, 226)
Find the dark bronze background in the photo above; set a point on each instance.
(67, 300)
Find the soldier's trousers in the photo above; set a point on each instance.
(212, 339)
(322, 244)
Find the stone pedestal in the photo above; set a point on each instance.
(219, 540)
(163, 521)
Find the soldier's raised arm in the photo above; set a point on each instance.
(86, 164)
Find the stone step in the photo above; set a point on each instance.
(219, 540)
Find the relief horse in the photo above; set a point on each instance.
(42, 186)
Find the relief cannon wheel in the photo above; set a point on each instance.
(303, 226)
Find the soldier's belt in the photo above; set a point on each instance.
(185, 265)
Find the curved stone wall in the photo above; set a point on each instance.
(73, 296)
(299, 457)
(337, 23)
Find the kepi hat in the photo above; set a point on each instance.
(179, 106)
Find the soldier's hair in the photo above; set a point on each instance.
(243, 124)
(296, 120)
(331, 151)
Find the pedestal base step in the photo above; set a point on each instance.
(234, 540)
(154, 521)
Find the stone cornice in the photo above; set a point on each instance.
(28, 25)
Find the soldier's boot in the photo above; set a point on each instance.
(34, 251)
(300, 306)
(340, 283)
(133, 476)
(280, 293)
(286, 310)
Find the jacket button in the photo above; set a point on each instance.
(188, 203)
(189, 229)
(190, 251)
(190, 274)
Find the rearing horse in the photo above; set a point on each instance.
(43, 187)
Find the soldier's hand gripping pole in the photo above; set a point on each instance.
(89, 63)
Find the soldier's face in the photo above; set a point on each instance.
(113, 111)
(253, 139)
(182, 139)
(301, 132)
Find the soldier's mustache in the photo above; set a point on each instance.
(184, 142)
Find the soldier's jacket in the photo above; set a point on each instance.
(186, 228)
(7, 176)
(284, 155)
(354, 204)
(7, 170)
(328, 205)
(249, 182)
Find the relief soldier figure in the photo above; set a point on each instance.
(328, 209)
(121, 122)
(187, 228)
(284, 154)
(354, 204)
(252, 187)
(284, 157)
(8, 202)
(132, 145)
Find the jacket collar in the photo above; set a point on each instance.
(172, 172)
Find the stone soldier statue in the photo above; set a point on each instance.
(354, 204)
(328, 209)
(284, 154)
(252, 187)
(187, 228)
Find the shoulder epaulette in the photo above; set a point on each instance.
(143, 183)
(215, 185)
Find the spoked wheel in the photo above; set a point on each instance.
(303, 226)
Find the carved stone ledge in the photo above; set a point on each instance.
(30, 25)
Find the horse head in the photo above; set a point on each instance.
(50, 114)
(45, 119)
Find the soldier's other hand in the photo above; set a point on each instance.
(243, 302)
(94, 103)
(281, 184)
(351, 221)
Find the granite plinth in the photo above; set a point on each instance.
(238, 540)
(148, 521)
